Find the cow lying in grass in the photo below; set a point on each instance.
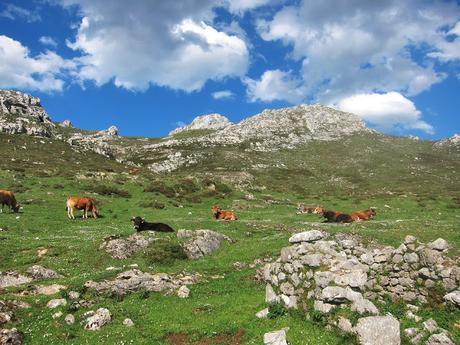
(85, 204)
(302, 208)
(222, 215)
(7, 198)
(334, 216)
(363, 215)
(141, 225)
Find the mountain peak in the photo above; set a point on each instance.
(208, 121)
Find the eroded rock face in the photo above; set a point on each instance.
(135, 280)
(454, 298)
(200, 243)
(21, 113)
(452, 142)
(439, 339)
(122, 248)
(378, 330)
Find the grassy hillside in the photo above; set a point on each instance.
(414, 188)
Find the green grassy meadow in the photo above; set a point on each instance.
(226, 299)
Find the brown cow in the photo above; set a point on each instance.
(85, 204)
(334, 216)
(7, 198)
(363, 215)
(223, 215)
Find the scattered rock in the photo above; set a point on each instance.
(40, 272)
(378, 330)
(74, 295)
(11, 337)
(183, 292)
(46, 290)
(69, 319)
(57, 315)
(439, 339)
(262, 314)
(430, 325)
(101, 317)
(54, 303)
(200, 242)
(275, 338)
(122, 248)
(128, 323)
(12, 278)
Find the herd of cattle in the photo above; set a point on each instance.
(140, 224)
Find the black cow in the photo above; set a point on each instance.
(141, 225)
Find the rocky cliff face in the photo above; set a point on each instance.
(452, 142)
(22, 113)
(210, 121)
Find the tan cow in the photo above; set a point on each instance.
(223, 215)
(7, 198)
(85, 204)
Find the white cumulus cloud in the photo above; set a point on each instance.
(48, 41)
(360, 46)
(18, 69)
(275, 85)
(224, 94)
(139, 43)
(387, 111)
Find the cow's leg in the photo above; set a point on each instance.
(71, 213)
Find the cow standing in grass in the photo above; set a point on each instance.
(85, 204)
(7, 198)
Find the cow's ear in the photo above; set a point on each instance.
(143, 219)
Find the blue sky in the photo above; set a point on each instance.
(149, 65)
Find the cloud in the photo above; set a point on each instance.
(224, 94)
(388, 111)
(241, 6)
(13, 12)
(274, 85)
(449, 50)
(18, 69)
(171, 44)
(363, 46)
(48, 41)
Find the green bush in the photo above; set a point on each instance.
(164, 252)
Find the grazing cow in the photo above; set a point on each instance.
(302, 208)
(333, 216)
(7, 198)
(223, 215)
(85, 204)
(363, 215)
(141, 225)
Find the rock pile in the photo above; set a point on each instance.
(200, 242)
(323, 273)
(135, 280)
(122, 248)
(98, 142)
(11, 337)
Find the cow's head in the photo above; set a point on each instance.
(16, 208)
(372, 211)
(215, 209)
(318, 210)
(137, 221)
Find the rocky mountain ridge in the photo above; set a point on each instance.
(271, 130)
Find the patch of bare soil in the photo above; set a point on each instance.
(222, 339)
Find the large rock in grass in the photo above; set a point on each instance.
(12, 278)
(200, 242)
(122, 248)
(439, 339)
(275, 338)
(378, 330)
(135, 280)
(307, 236)
(98, 319)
